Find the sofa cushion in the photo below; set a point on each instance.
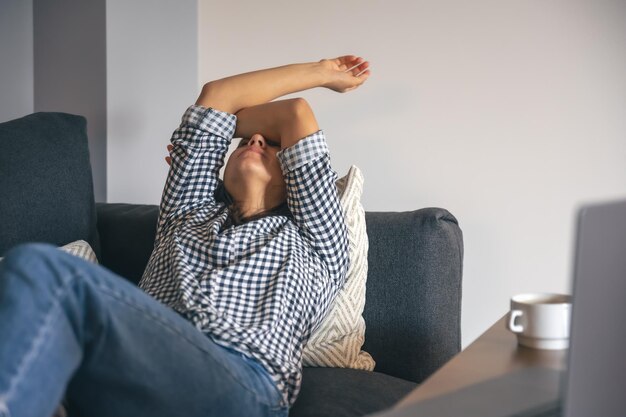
(336, 392)
(127, 234)
(45, 181)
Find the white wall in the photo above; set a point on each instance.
(152, 72)
(16, 64)
(507, 113)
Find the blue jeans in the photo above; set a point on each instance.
(69, 327)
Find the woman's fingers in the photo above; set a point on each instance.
(355, 67)
(359, 68)
(352, 64)
(345, 62)
(352, 67)
(364, 73)
(168, 159)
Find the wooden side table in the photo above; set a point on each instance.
(495, 353)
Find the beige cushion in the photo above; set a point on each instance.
(338, 340)
(81, 249)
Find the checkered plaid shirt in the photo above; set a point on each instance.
(261, 287)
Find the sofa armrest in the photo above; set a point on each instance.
(413, 299)
(126, 237)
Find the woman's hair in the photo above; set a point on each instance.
(236, 217)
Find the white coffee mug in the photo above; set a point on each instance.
(541, 321)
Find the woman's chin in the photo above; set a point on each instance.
(251, 170)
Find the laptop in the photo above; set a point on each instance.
(594, 384)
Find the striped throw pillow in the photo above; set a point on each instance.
(338, 340)
(79, 248)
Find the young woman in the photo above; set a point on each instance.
(242, 271)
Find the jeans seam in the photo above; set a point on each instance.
(149, 314)
(38, 339)
(4, 411)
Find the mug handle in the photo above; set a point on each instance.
(515, 328)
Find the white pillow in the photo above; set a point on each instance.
(338, 340)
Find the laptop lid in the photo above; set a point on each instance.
(596, 380)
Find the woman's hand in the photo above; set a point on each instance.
(345, 73)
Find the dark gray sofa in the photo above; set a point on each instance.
(413, 303)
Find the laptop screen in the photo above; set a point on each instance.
(596, 384)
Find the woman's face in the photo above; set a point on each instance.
(254, 163)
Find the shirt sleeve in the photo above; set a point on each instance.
(200, 145)
(313, 201)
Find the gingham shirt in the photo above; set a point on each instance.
(261, 287)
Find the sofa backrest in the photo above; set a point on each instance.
(46, 189)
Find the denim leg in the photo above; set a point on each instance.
(69, 325)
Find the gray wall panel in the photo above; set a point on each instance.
(70, 70)
(16, 65)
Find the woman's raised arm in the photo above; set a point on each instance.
(236, 92)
